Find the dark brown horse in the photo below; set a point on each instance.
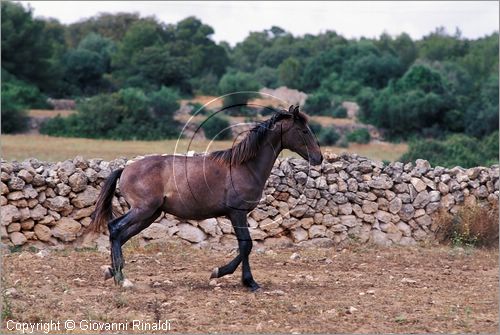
(223, 183)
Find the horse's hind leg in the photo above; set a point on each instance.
(115, 227)
(122, 229)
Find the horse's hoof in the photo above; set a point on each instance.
(215, 273)
(127, 284)
(108, 273)
(252, 285)
(255, 289)
(118, 277)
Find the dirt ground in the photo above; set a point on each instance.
(361, 289)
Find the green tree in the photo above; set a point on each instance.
(125, 115)
(267, 77)
(290, 72)
(238, 88)
(373, 70)
(456, 150)
(439, 45)
(246, 53)
(481, 118)
(361, 135)
(113, 26)
(14, 116)
(25, 51)
(141, 35)
(406, 50)
(328, 136)
(217, 128)
(84, 70)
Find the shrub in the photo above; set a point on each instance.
(14, 117)
(217, 128)
(455, 150)
(17, 97)
(490, 148)
(206, 84)
(233, 83)
(241, 111)
(328, 136)
(315, 127)
(318, 103)
(25, 94)
(339, 112)
(361, 135)
(473, 225)
(343, 142)
(197, 108)
(268, 110)
(126, 114)
(267, 76)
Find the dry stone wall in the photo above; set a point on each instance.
(347, 197)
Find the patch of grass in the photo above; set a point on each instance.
(120, 301)
(86, 249)
(6, 308)
(475, 225)
(15, 248)
(401, 319)
(33, 249)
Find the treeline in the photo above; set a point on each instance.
(440, 85)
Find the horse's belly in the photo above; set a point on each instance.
(189, 205)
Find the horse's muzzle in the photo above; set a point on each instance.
(316, 159)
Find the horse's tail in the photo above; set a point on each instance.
(104, 209)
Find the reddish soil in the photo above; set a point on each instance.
(394, 290)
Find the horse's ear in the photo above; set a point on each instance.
(290, 110)
(296, 111)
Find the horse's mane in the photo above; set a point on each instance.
(250, 145)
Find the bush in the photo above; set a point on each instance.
(473, 225)
(318, 103)
(197, 109)
(267, 77)
(339, 112)
(361, 135)
(490, 148)
(17, 97)
(455, 150)
(268, 110)
(240, 86)
(25, 94)
(14, 117)
(124, 115)
(315, 127)
(328, 136)
(241, 111)
(217, 128)
(206, 84)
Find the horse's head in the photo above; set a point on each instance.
(298, 137)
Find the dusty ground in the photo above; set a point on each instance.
(397, 290)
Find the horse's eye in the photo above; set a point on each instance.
(304, 131)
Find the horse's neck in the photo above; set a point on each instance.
(261, 165)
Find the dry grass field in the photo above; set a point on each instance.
(47, 113)
(47, 148)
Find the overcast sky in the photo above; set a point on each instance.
(232, 21)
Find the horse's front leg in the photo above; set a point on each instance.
(239, 221)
